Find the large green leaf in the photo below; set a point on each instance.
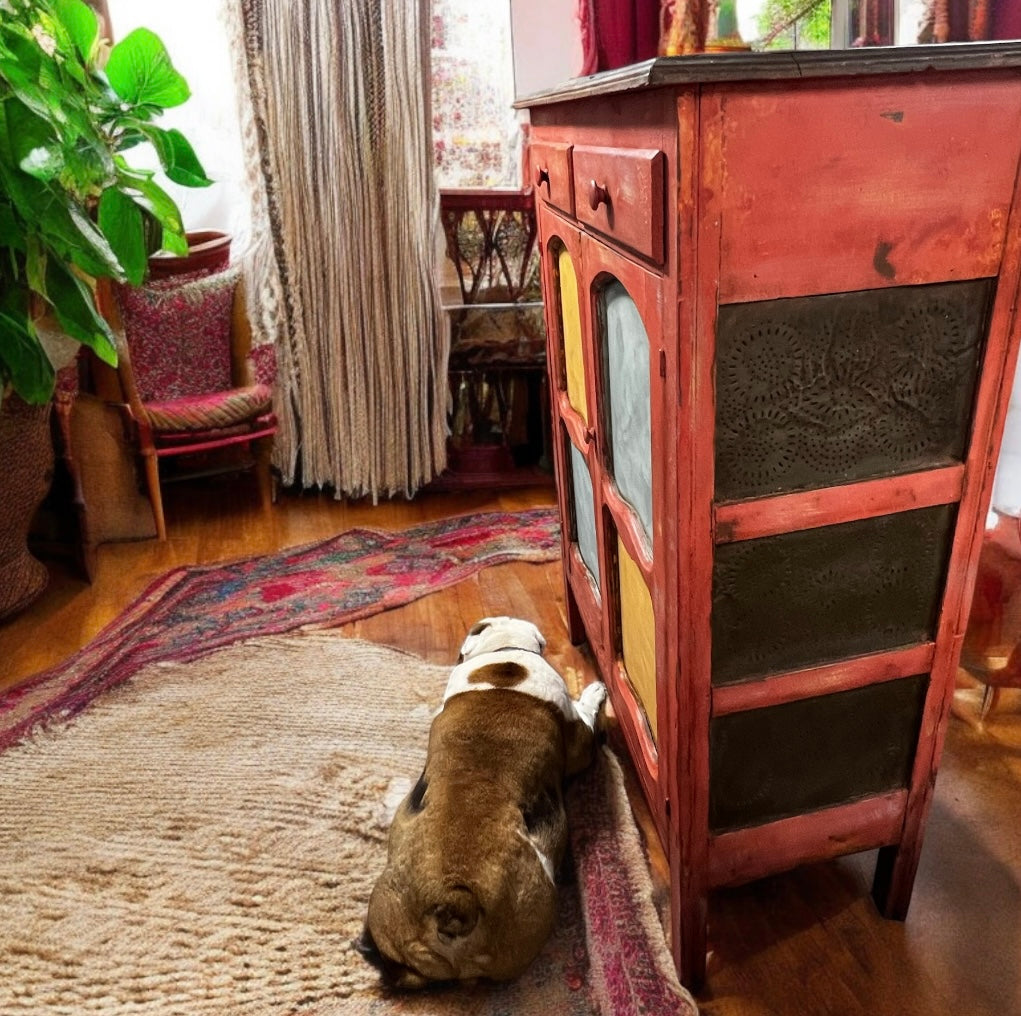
(139, 71)
(80, 23)
(177, 157)
(21, 67)
(98, 245)
(23, 359)
(35, 265)
(88, 169)
(120, 220)
(31, 141)
(11, 234)
(62, 236)
(158, 203)
(60, 223)
(27, 195)
(6, 152)
(75, 308)
(21, 46)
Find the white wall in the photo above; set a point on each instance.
(195, 36)
(547, 44)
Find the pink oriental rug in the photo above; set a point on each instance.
(192, 611)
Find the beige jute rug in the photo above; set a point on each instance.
(203, 839)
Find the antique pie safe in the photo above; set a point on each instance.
(780, 294)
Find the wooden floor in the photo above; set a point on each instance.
(807, 943)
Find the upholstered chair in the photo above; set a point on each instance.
(187, 376)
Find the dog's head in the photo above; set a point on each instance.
(494, 633)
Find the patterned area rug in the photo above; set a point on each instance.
(203, 839)
(192, 611)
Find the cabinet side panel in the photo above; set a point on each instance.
(772, 763)
(832, 187)
(786, 602)
(826, 390)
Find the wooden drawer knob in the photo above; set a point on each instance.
(597, 195)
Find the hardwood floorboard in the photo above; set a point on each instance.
(804, 943)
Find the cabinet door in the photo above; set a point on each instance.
(571, 369)
(625, 301)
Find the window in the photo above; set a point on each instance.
(476, 136)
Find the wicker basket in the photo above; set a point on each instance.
(26, 463)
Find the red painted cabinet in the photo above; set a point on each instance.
(780, 317)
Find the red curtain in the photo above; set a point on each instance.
(1006, 20)
(615, 33)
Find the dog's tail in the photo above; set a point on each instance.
(455, 912)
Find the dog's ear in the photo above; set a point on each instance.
(395, 976)
(473, 633)
(365, 946)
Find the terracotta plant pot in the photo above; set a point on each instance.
(26, 463)
(208, 251)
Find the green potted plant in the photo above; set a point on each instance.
(72, 210)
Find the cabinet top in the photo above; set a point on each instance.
(781, 65)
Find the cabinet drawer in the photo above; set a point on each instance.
(551, 174)
(620, 193)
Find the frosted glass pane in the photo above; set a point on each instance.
(584, 512)
(629, 411)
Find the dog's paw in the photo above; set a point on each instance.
(590, 701)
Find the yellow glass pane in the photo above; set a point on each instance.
(570, 311)
(638, 633)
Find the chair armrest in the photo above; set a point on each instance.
(107, 304)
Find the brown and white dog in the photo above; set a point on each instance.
(469, 886)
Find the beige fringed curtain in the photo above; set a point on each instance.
(336, 126)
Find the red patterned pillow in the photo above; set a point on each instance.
(179, 334)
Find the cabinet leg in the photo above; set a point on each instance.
(688, 929)
(894, 880)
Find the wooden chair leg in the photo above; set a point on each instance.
(263, 451)
(152, 482)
